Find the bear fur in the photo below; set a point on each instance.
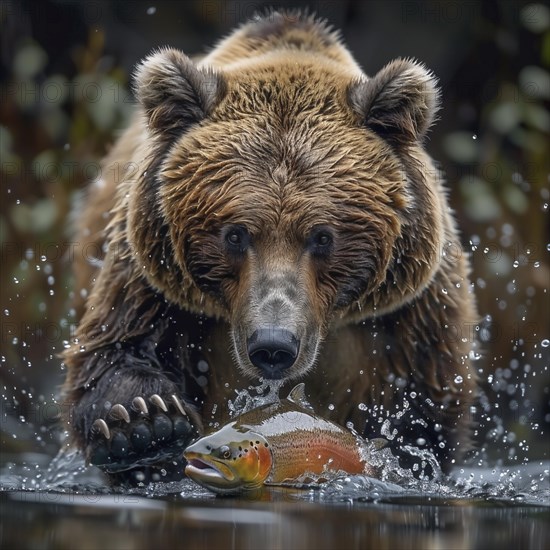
(272, 186)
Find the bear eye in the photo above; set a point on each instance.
(225, 452)
(236, 239)
(320, 241)
(323, 239)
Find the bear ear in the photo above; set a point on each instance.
(174, 92)
(399, 103)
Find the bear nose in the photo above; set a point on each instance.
(273, 350)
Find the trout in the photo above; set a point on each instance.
(277, 444)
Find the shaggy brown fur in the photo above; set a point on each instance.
(278, 186)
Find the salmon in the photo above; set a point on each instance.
(277, 444)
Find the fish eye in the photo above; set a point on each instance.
(225, 452)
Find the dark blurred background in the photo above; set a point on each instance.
(65, 79)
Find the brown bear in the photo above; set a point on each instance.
(271, 213)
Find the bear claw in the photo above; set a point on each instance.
(127, 438)
(138, 403)
(119, 412)
(101, 425)
(178, 405)
(157, 400)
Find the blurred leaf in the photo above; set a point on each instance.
(505, 116)
(29, 61)
(6, 140)
(45, 165)
(515, 199)
(535, 17)
(529, 140)
(534, 82)
(10, 161)
(538, 117)
(461, 147)
(104, 111)
(480, 203)
(501, 265)
(36, 218)
(100, 95)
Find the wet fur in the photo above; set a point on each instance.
(278, 130)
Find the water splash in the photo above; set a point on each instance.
(266, 392)
(474, 487)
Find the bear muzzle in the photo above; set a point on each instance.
(273, 350)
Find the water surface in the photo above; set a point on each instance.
(63, 504)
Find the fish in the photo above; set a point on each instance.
(277, 444)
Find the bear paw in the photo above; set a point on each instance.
(150, 431)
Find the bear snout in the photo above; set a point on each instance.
(273, 350)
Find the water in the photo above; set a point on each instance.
(511, 486)
(266, 392)
(500, 498)
(50, 502)
(66, 505)
(59, 521)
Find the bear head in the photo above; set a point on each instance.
(286, 196)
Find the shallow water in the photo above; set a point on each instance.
(50, 520)
(60, 503)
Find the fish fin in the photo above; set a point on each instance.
(378, 443)
(298, 395)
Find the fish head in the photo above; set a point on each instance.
(229, 460)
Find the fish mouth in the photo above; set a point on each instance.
(207, 471)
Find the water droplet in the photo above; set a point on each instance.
(202, 365)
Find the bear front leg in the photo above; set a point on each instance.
(131, 416)
(129, 374)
